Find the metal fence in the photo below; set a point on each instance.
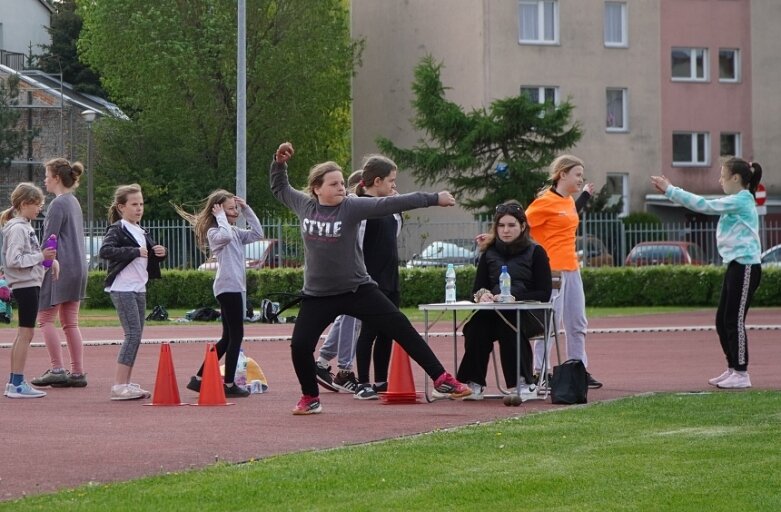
(417, 232)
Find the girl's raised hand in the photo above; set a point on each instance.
(241, 203)
(284, 153)
(217, 209)
(661, 183)
(446, 199)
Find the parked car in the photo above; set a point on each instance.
(257, 255)
(665, 253)
(458, 251)
(94, 263)
(594, 251)
(771, 257)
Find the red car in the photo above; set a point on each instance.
(665, 253)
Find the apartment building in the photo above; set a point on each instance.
(659, 86)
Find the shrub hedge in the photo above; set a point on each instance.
(611, 287)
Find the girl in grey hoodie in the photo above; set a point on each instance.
(24, 271)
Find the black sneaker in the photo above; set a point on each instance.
(381, 388)
(324, 377)
(592, 382)
(345, 381)
(365, 392)
(235, 391)
(194, 384)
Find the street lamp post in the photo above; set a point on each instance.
(89, 117)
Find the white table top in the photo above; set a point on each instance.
(465, 305)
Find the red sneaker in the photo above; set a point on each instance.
(308, 405)
(446, 384)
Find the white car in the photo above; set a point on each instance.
(771, 257)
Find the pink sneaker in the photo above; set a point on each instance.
(308, 405)
(446, 384)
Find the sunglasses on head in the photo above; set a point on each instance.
(508, 208)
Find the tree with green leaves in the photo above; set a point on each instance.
(61, 56)
(484, 157)
(171, 67)
(11, 138)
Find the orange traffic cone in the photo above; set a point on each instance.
(212, 390)
(401, 384)
(166, 390)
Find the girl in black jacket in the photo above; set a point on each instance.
(133, 258)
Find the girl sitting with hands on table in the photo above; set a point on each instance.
(510, 245)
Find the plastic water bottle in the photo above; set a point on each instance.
(50, 243)
(240, 379)
(450, 284)
(504, 285)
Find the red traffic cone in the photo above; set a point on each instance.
(166, 390)
(401, 384)
(212, 390)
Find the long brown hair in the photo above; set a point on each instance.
(750, 173)
(204, 220)
(24, 193)
(68, 173)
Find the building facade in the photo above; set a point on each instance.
(659, 86)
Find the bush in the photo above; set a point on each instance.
(664, 285)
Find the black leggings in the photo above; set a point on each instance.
(232, 313)
(371, 337)
(370, 306)
(740, 283)
(479, 335)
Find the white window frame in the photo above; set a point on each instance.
(541, 92)
(623, 42)
(737, 142)
(624, 177)
(692, 76)
(736, 62)
(624, 110)
(696, 159)
(540, 22)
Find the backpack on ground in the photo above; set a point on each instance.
(158, 313)
(205, 314)
(569, 384)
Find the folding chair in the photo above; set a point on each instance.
(557, 285)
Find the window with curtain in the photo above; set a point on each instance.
(538, 21)
(615, 24)
(616, 110)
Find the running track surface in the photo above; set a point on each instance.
(99, 441)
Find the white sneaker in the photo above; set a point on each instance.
(529, 392)
(715, 380)
(23, 390)
(477, 391)
(146, 393)
(126, 392)
(737, 380)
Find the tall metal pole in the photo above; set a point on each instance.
(241, 101)
(90, 190)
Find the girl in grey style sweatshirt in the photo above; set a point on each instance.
(335, 277)
(24, 270)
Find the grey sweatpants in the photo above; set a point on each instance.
(570, 308)
(131, 307)
(340, 341)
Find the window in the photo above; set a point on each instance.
(729, 144)
(729, 65)
(618, 187)
(690, 149)
(541, 94)
(690, 64)
(615, 24)
(538, 21)
(616, 110)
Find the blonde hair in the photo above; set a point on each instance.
(317, 174)
(204, 220)
(24, 193)
(561, 165)
(121, 195)
(68, 173)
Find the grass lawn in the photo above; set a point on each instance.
(678, 452)
(108, 317)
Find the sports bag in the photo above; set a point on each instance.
(158, 313)
(569, 384)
